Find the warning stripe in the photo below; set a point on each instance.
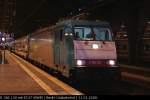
(42, 84)
(64, 86)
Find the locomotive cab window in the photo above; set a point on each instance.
(92, 33)
(83, 33)
(102, 33)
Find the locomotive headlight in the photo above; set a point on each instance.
(79, 62)
(95, 46)
(66, 34)
(71, 34)
(111, 62)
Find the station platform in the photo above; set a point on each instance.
(19, 77)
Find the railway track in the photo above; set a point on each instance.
(134, 81)
(136, 75)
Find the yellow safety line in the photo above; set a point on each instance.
(64, 86)
(38, 80)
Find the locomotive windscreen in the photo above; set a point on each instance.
(93, 33)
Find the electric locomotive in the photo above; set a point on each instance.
(76, 49)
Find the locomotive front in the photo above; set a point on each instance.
(94, 51)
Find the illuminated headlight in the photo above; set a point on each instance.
(79, 62)
(95, 46)
(66, 34)
(71, 34)
(111, 62)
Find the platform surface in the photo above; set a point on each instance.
(19, 77)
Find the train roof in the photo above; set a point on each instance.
(82, 22)
(71, 23)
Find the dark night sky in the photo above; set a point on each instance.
(34, 13)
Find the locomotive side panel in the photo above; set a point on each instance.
(62, 50)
